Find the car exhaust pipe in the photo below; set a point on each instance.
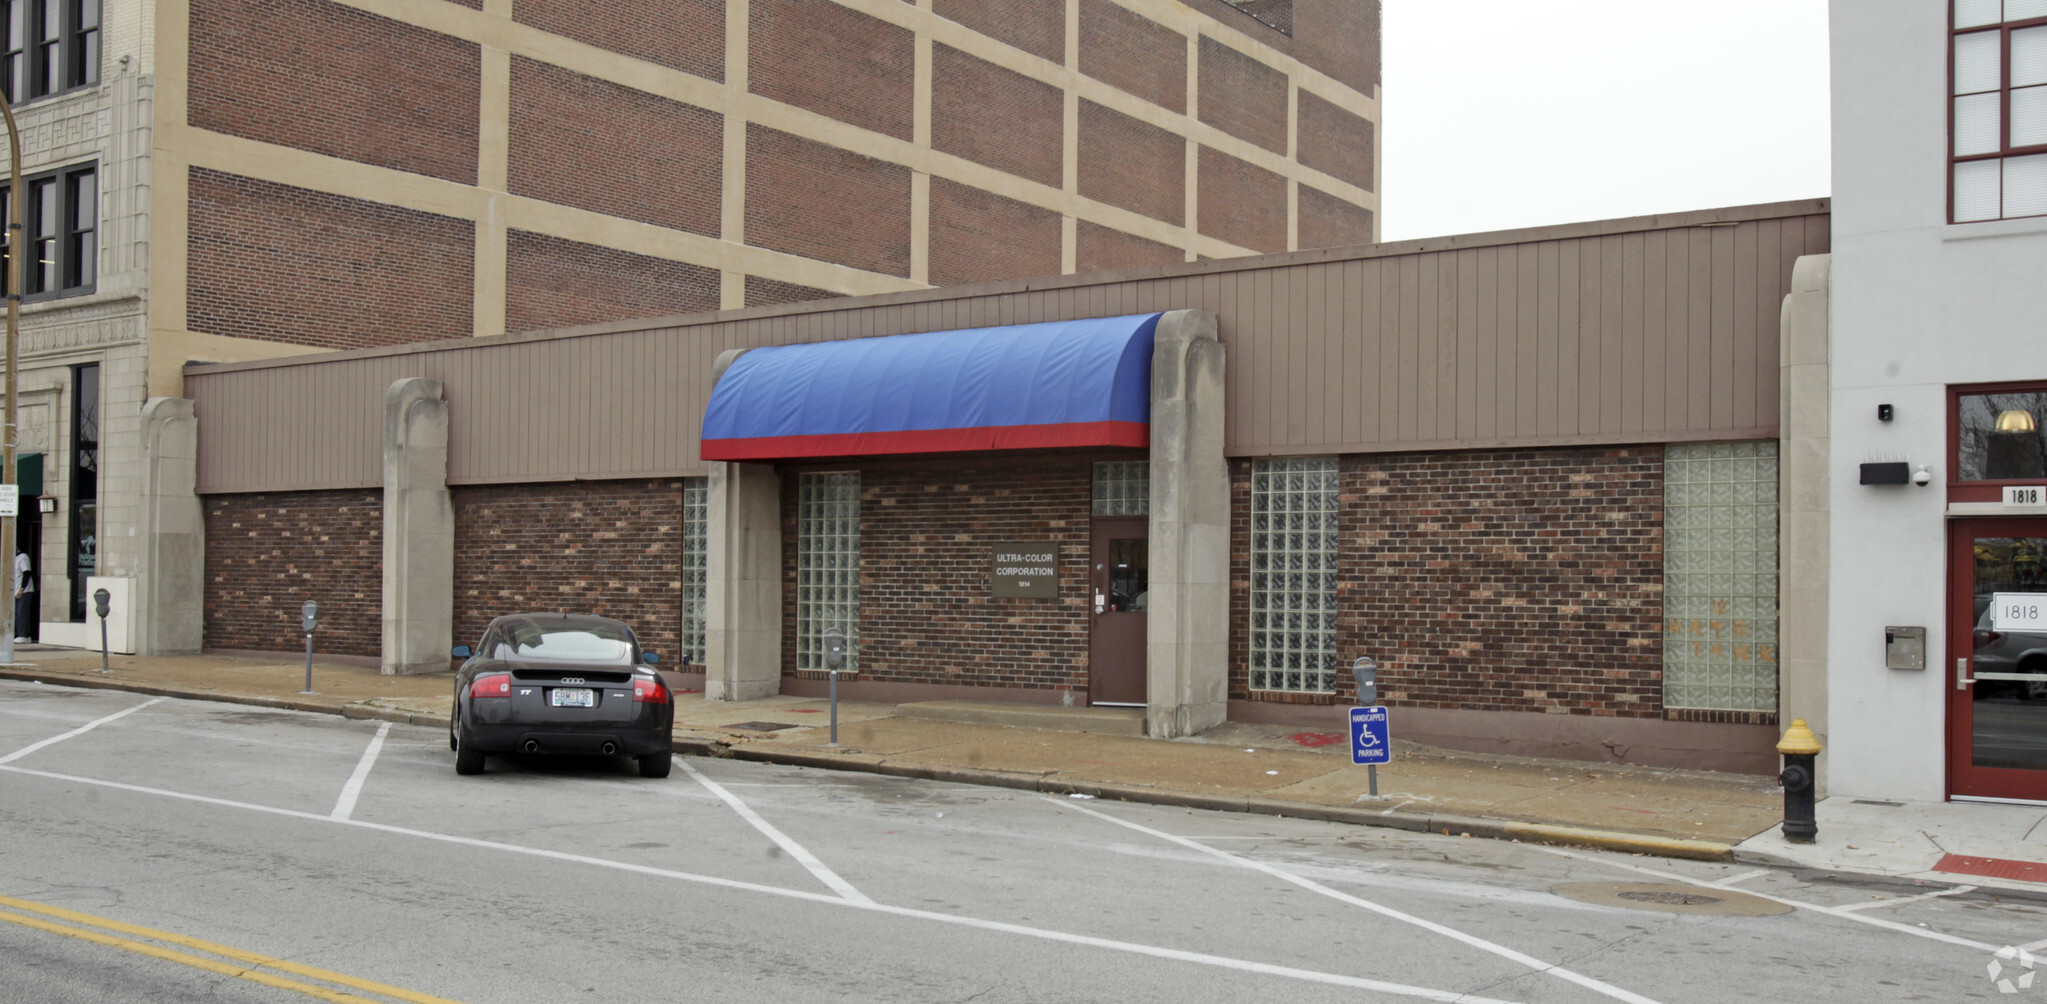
(532, 746)
(610, 748)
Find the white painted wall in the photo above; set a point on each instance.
(1918, 304)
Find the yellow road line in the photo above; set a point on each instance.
(245, 972)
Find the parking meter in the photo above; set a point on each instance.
(309, 618)
(1367, 673)
(835, 660)
(103, 604)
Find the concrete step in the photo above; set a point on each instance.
(1106, 721)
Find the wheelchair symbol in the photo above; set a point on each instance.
(1368, 739)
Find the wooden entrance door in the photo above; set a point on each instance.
(1997, 658)
(1119, 588)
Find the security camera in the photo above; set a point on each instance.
(1921, 476)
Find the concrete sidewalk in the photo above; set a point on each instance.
(1237, 767)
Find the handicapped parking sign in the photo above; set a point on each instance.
(1371, 742)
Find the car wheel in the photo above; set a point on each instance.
(468, 759)
(657, 764)
(2035, 690)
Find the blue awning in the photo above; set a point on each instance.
(1024, 386)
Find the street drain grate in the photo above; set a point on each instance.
(1665, 898)
(761, 726)
(1670, 897)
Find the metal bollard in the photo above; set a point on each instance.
(1799, 747)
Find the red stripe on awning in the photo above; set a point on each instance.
(1001, 437)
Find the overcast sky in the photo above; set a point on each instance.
(1516, 113)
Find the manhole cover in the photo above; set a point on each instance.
(1667, 898)
(761, 726)
(1671, 898)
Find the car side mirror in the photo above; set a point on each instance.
(463, 652)
(650, 658)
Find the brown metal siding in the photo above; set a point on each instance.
(1650, 330)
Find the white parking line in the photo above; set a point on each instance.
(1743, 877)
(1878, 904)
(808, 860)
(1001, 927)
(1427, 925)
(1831, 911)
(79, 731)
(345, 805)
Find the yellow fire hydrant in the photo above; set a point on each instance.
(1799, 747)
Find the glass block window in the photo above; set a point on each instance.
(1123, 488)
(1720, 576)
(1293, 574)
(827, 566)
(696, 521)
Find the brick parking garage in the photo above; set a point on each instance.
(1534, 475)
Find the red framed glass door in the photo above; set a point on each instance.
(1997, 658)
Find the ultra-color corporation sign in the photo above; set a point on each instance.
(1026, 570)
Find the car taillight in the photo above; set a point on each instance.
(492, 685)
(647, 691)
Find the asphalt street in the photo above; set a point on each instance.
(159, 849)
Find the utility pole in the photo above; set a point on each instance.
(9, 436)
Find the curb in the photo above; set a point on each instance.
(1415, 822)
(1447, 825)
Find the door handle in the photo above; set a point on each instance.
(1962, 678)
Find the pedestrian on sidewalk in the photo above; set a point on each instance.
(25, 612)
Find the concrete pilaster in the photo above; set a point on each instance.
(1803, 509)
(419, 530)
(1187, 614)
(743, 583)
(171, 577)
(742, 577)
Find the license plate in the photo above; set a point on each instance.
(572, 697)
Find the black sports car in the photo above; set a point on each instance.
(561, 683)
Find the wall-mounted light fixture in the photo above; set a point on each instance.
(46, 503)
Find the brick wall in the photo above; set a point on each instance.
(1340, 38)
(764, 292)
(1123, 48)
(266, 554)
(1336, 142)
(1131, 164)
(832, 60)
(1330, 222)
(1099, 248)
(589, 143)
(978, 236)
(1241, 203)
(1036, 28)
(995, 116)
(319, 76)
(612, 548)
(1502, 580)
(1242, 96)
(292, 265)
(688, 35)
(818, 201)
(553, 283)
(925, 611)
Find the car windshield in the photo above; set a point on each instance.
(572, 643)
